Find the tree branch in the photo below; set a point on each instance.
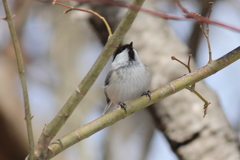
(188, 16)
(142, 102)
(50, 130)
(21, 71)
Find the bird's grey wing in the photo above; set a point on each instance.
(107, 99)
(107, 81)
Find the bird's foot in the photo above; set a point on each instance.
(123, 106)
(148, 94)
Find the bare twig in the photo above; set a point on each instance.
(209, 14)
(194, 39)
(50, 130)
(142, 102)
(192, 87)
(186, 65)
(84, 10)
(189, 59)
(201, 19)
(206, 34)
(206, 103)
(189, 69)
(18, 53)
(163, 15)
(184, 10)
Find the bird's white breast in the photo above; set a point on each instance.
(128, 83)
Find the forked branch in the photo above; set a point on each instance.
(192, 87)
(206, 34)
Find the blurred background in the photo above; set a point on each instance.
(59, 49)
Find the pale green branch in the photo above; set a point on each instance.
(18, 53)
(142, 102)
(50, 130)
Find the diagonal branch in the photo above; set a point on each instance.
(50, 130)
(21, 71)
(161, 93)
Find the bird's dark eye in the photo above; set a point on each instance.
(131, 55)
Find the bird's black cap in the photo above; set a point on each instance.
(122, 48)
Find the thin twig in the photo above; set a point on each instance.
(184, 10)
(207, 30)
(199, 17)
(84, 10)
(206, 33)
(209, 47)
(209, 13)
(206, 103)
(161, 14)
(50, 130)
(192, 87)
(189, 60)
(142, 102)
(186, 65)
(18, 53)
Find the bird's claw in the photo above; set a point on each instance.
(123, 106)
(148, 94)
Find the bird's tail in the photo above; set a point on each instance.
(108, 108)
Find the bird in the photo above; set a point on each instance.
(128, 78)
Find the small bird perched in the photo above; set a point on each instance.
(127, 79)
